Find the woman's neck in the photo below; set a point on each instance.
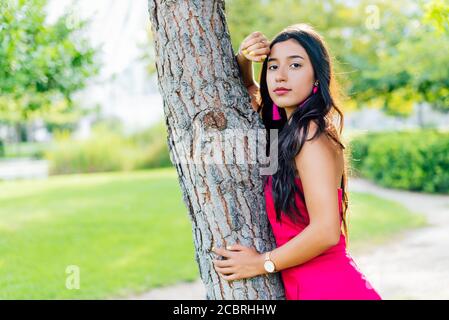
(289, 111)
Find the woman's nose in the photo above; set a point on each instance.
(281, 75)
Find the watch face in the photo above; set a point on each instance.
(269, 266)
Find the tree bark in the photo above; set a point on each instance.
(214, 138)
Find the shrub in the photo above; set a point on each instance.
(34, 150)
(412, 160)
(108, 149)
(102, 152)
(153, 143)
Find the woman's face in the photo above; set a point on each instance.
(289, 66)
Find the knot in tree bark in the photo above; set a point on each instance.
(215, 120)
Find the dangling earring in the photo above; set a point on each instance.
(315, 87)
(276, 115)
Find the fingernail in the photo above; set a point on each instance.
(251, 53)
(245, 51)
(213, 249)
(264, 56)
(229, 247)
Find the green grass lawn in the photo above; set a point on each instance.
(126, 232)
(374, 221)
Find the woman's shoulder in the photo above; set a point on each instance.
(312, 133)
(320, 155)
(325, 139)
(318, 145)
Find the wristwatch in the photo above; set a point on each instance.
(269, 264)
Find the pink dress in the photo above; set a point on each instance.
(333, 275)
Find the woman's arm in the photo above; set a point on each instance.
(246, 70)
(317, 166)
(255, 48)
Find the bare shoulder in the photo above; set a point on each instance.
(315, 145)
(319, 155)
(318, 170)
(323, 142)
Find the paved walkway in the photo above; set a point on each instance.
(417, 266)
(414, 266)
(23, 168)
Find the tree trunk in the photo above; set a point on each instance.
(215, 139)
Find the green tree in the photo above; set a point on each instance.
(387, 54)
(437, 14)
(399, 62)
(41, 65)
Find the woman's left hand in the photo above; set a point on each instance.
(241, 262)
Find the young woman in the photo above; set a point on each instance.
(306, 199)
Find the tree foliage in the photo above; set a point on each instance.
(41, 65)
(387, 54)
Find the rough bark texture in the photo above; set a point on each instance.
(204, 97)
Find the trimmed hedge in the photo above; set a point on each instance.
(412, 160)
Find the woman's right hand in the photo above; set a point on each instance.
(255, 47)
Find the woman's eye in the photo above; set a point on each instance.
(297, 65)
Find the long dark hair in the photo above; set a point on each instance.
(321, 108)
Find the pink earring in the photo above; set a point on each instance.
(276, 115)
(315, 87)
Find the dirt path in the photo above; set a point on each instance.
(417, 266)
(413, 266)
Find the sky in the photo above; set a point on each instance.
(123, 88)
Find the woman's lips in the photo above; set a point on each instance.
(281, 92)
